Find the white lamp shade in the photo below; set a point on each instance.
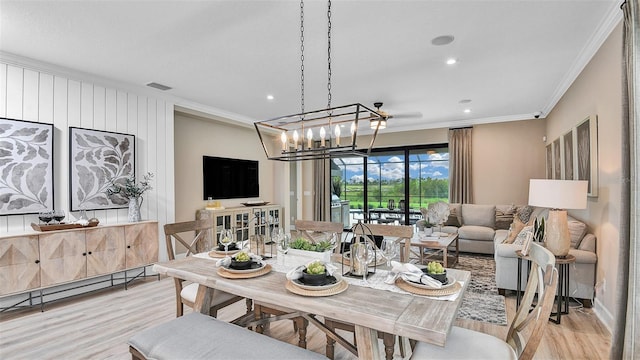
(558, 194)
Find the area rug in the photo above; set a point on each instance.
(481, 301)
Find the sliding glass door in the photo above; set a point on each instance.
(394, 184)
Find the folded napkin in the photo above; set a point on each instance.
(226, 261)
(411, 273)
(296, 273)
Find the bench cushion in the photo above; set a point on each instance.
(198, 336)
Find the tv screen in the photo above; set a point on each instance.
(226, 178)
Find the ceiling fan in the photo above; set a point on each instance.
(386, 116)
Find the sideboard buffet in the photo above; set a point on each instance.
(36, 261)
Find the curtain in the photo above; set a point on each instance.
(321, 192)
(626, 333)
(460, 177)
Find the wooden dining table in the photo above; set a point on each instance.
(370, 310)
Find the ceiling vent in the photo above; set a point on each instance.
(155, 85)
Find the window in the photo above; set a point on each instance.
(393, 178)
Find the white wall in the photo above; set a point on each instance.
(40, 92)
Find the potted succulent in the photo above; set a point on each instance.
(436, 271)
(306, 250)
(241, 261)
(315, 273)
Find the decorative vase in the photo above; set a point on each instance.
(134, 210)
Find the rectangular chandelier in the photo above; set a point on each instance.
(321, 134)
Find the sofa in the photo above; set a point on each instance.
(484, 228)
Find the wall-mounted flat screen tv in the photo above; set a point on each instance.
(226, 178)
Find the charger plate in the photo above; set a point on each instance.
(451, 281)
(216, 253)
(340, 287)
(230, 275)
(409, 287)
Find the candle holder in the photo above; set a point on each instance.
(360, 234)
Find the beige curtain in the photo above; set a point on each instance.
(460, 176)
(626, 333)
(321, 190)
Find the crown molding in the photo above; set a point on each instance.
(602, 32)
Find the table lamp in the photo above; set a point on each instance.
(558, 195)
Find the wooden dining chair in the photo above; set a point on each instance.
(186, 294)
(403, 235)
(525, 331)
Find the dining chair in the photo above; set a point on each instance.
(525, 331)
(403, 235)
(309, 230)
(186, 294)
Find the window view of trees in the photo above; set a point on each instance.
(427, 171)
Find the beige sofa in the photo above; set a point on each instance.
(483, 229)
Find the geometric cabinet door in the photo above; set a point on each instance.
(19, 264)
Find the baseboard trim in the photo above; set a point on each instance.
(603, 315)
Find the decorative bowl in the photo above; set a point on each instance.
(440, 277)
(240, 265)
(314, 279)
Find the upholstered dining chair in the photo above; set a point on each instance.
(186, 294)
(519, 344)
(403, 235)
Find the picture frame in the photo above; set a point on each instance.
(557, 158)
(586, 153)
(98, 158)
(549, 157)
(568, 172)
(26, 167)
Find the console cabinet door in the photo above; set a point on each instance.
(63, 257)
(141, 244)
(105, 250)
(19, 264)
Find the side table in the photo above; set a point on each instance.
(562, 294)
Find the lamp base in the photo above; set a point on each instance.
(558, 240)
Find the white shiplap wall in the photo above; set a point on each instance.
(64, 100)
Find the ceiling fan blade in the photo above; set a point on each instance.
(406, 115)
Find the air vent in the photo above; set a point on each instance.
(159, 86)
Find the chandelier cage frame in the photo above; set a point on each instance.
(352, 121)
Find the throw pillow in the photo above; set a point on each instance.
(524, 213)
(522, 235)
(453, 219)
(514, 230)
(504, 216)
(577, 230)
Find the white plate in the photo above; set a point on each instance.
(300, 284)
(254, 267)
(450, 282)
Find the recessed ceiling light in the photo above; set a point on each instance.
(464, 101)
(466, 111)
(451, 61)
(269, 97)
(442, 40)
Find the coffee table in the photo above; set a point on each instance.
(439, 245)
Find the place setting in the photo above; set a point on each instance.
(316, 278)
(430, 281)
(242, 265)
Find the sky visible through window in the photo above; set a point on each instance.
(391, 167)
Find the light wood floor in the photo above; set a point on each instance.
(97, 326)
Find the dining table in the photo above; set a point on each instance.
(370, 310)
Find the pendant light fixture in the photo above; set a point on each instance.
(319, 134)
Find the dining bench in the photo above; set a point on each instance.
(198, 336)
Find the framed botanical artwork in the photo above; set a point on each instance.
(557, 167)
(567, 156)
(96, 160)
(586, 149)
(549, 156)
(26, 167)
